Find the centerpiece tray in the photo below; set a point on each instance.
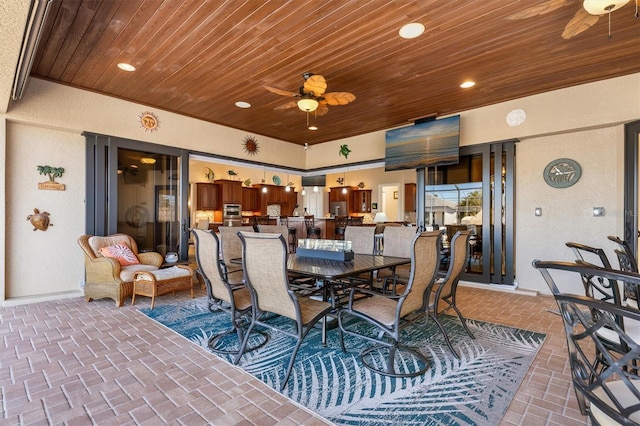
(325, 249)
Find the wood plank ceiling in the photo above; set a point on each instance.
(198, 58)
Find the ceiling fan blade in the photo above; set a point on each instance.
(580, 22)
(541, 9)
(288, 105)
(315, 84)
(339, 98)
(280, 91)
(322, 109)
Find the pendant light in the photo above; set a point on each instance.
(264, 180)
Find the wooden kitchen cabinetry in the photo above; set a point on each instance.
(409, 197)
(357, 200)
(276, 195)
(337, 194)
(207, 196)
(361, 201)
(250, 199)
(231, 191)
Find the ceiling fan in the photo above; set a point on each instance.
(312, 96)
(584, 18)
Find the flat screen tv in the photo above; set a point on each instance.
(426, 144)
(318, 180)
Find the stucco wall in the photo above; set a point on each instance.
(45, 127)
(40, 262)
(567, 214)
(54, 105)
(606, 102)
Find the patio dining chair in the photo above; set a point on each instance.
(274, 229)
(605, 290)
(627, 262)
(396, 242)
(605, 381)
(362, 242)
(601, 288)
(389, 314)
(264, 261)
(231, 248)
(222, 294)
(444, 289)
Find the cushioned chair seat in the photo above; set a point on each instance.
(127, 272)
(105, 276)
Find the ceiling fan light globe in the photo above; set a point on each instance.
(308, 104)
(602, 7)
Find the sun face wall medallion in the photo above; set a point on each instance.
(148, 121)
(250, 145)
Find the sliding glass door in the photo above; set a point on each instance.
(138, 189)
(477, 194)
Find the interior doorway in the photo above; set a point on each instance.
(389, 201)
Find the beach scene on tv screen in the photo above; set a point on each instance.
(434, 143)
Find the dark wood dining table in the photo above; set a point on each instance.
(336, 269)
(330, 271)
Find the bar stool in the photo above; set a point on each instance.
(312, 230)
(293, 237)
(340, 225)
(260, 220)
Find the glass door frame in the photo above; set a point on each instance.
(497, 239)
(102, 177)
(631, 188)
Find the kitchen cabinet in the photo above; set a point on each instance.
(361, 201)
(291, 199)
(231, 191)
(276, 195)
(250, 199)
(340, 193)
(207, 196)
(409, 197)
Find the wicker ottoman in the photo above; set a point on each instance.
(162, 281)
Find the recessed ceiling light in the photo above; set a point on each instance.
(468, 84)
(312, 127)
(411, 30)
(126, 67)
(241, 104)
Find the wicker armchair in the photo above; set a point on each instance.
(104, 276)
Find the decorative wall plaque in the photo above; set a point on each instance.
(149, 121)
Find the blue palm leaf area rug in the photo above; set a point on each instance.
(473, 390)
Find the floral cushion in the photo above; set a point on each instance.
(122, 253)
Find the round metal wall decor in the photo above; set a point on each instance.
(562, 173)
(250, 145)
(148, 121)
